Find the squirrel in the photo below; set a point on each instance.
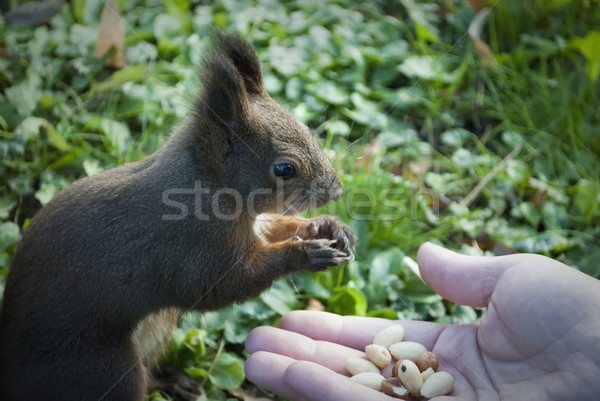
(104, 269)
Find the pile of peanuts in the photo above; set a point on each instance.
(415, 372)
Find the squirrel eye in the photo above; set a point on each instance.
(284, 170)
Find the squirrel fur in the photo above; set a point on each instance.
(199, 224)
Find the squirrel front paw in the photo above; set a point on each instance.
(332, 228)
(320, 253)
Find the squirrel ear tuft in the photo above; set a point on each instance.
(223, 99)
(231, 71)
(244, 58)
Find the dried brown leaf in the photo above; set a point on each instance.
(314, 304)
(111, 35)
(477, 4)
(248, 394)
(372, 150)
(501, 249)
(483, 51)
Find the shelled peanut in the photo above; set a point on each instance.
(415, 373)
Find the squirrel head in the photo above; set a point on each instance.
(250, 143)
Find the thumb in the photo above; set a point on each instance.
(465, 280)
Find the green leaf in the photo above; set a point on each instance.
(459, 315)
(423, 17)
(168, 48)
(7, 204)
(84, 37)
(463, 158)
(589, 46)
(9, 235)
(56, 139)
(187, 345)
(391, 139)
(320, 36)
(50, 184)
(92, 167)
(585, 199)
(286, 61)
(388, 262)
(228, 373)
(78, 9)
(25, 95)
(530, 213)
(555, 216)
(272, 83)
(294, 88)
(455, 137)
(586, 259)
(280, 297)
(166, 26)
(329, 92)
(426, 67)
(30, 127)
(396, 50)
(337, 127)
(21, 184)
(543, 243)
(384, 313)
(517, 171)
(117, 134)
(513, 139)
(426, 34)
(177, 6)
(68, 158)
(194, 341)
(470, 226)
(348, 301)
(134, 73)
(88, 11)
(417, 291)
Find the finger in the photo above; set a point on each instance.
(267, 370)
(301, 380)
(315, 382)
(355, 331)
(300, 347)
(465, 280)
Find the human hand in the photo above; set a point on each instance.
(539, 338)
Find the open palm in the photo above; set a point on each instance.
(539, 338)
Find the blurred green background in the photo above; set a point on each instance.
(485, 140)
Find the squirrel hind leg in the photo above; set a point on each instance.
(152, 335)
(151, 338)
(174, 383)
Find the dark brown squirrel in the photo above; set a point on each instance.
(104, 269)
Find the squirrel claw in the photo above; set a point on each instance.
(341, 236)
(321, 254)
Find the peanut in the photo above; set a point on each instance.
(394, 388)
(379, 355)
(395, 368)
(427, 360)
(369, 379)
(439, 383)
(409, 375)
(390, 335)
(407, 350)
(359, 365)
(414, 373)
(427, 373)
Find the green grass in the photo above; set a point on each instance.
(432, 143)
